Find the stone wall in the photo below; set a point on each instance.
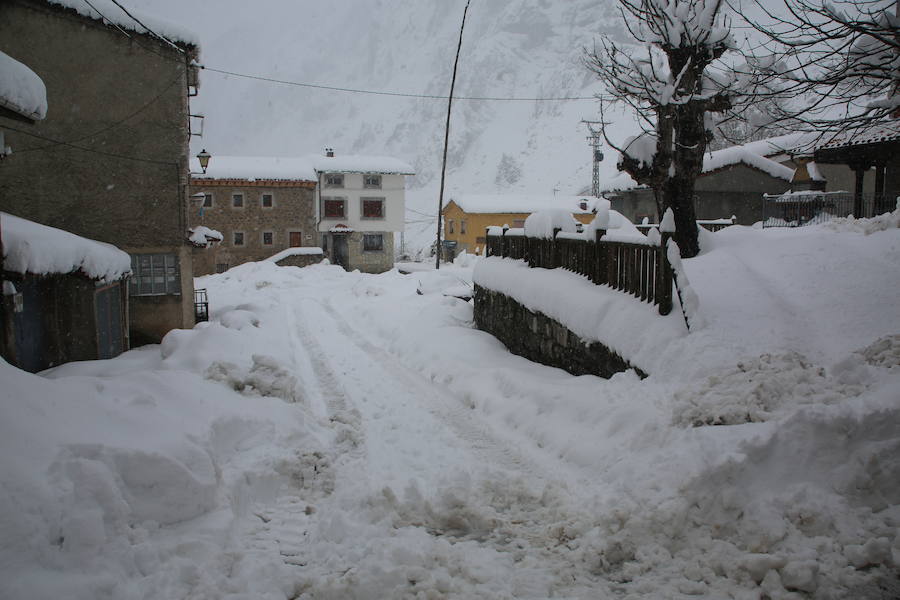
(292, 211)
(542, 339)
(300, 260)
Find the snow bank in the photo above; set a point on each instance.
(541, 224)
(108, 11)
(21, 90)
(30, 247)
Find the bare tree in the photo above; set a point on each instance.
(838, 63)
(669, 80)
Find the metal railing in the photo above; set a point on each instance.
(796, 209)
(201, 306)
(708, 224)
(639, 269)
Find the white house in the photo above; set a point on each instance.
(361, 204)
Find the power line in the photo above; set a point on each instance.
(94, 150)
(153, 33)
(394, 94)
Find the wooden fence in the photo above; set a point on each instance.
(640, 269)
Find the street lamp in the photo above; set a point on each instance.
(204, 157)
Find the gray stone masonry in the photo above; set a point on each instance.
(292, 211)
(539, 338)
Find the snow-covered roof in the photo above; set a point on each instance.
(883, 132)
(350, 163)
(509, 203)
(300, 251)
(282, 168)
(30, 247)
(756, 154)
(108, 12)
(21, 90)
(296, 168)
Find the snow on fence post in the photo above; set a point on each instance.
(664, 283)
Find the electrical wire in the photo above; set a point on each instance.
(94, 150)
(393, 94)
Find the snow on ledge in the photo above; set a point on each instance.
(30, 247)
(350, 163)
(21, 90)
(204, 236)
(307, 251)
(107, 12)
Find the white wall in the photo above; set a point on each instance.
(392, 190)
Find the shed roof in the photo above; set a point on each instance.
(32, 248)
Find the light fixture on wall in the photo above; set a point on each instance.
(204, 157)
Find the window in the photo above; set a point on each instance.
(518, 223)
(372, 181)
(237, 201)
(334, 208)
(481, 240)
(462, 226)
(207, 200)
(267, 201)
(373, 242)
(268, 238)
(334, 180)
(238, 238)
(450, 226)
(372, 208)
(154, 275)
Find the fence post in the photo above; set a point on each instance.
(504, 244)
(487, 241)
(664, 284)
(600, 259)
(553, 252)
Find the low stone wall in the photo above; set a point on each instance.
(542, 339)
(300, 260)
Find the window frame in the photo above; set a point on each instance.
(462, 226)
(376, 182)
(334, 180)
(262, 200)
(450, 226)
(207, 200)
(234, 243)
(234, 197)
(372, 236)
(362, 207)
(144, 281)
(341, 199)
(262, 238)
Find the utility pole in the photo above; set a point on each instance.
(437, 248)
(594, 139)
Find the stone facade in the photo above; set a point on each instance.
(542, 339)
(290, 219)
(109, 162)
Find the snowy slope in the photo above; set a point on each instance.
(519, 48)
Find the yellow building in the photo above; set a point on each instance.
(467, 217)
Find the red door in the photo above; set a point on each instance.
(296, 239)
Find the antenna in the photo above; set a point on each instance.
(595, 127)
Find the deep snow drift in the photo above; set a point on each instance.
(340, 435)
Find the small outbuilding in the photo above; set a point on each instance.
(64, 297)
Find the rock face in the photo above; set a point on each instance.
(542, 339)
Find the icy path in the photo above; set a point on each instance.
(419, 494)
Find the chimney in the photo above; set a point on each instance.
(329, 152)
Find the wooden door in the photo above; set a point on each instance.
(296, 239)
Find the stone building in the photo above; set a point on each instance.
(467, 216)
(361, 205)
(260, 205)
(733, 181)
(110, 160)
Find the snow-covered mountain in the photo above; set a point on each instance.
(511, 48)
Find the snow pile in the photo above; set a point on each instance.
(30, 247)
(204, 237)
(21, 90)
(868, 226)
(641, 148)
(543, 223)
